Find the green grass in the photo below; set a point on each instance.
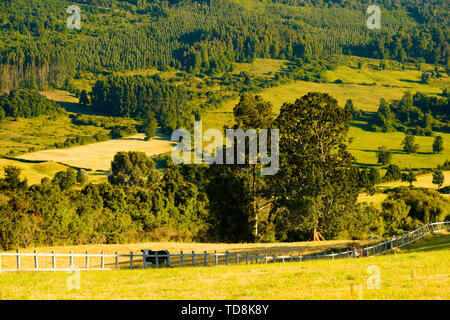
(390, 84)
(34, 172)
(260, 67)
(365, 144)
(20, 135)
(418, 272)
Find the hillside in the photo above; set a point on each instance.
(205, 36)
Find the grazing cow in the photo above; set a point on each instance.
(163, 256)
(357, 252)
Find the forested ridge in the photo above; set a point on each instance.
(37, 49)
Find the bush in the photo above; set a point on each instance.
(65, 179)
(393, 173)
(82, 177)
(122, 131)
(425, 206)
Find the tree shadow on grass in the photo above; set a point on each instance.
(361, 125)
(411, 81)
(78, 108)
(435, 242)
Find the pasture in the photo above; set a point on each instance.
(294, 248)
(98, 156)
(419, 271)
(423, 181)
(365, 144)
(365, 87)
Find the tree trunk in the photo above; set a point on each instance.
(315, 235)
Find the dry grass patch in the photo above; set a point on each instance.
(98, 156)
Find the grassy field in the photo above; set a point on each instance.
(423, 181)
(365, 144)
(34, 172)
(418, 272)
(20, 135)
(294, 248)
(98, 156)
(260, 67)
(388, 84)
(365, 87)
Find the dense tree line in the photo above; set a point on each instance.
(205, 36)
(416, 114)
(52, 213)
(143, 97)
(27, 104)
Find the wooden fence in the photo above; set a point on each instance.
(182, 259)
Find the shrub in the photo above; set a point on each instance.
(65, 179)
(82, 177)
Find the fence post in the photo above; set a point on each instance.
(193, 258)
(144, 258)
(18, 259)
(131, 259)
(53, 260)
(226, 257)
(71, 260)
(103, 260)
(237, 258)
(265, 259)
(216, 260)
(282, 258)
(117, 260)
(274, 258)
(246, 258)
(168, 260)
(157, 259)
(256, 258)
(87, 260)
(205, 256)
(36, 264)
(181, 258)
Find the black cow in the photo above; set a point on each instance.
(152, 259)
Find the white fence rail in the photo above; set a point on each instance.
(132, 260)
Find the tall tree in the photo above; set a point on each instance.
(438, 144)
(409, 177)
(409, 144)
(384, 155)
(84, 99)
(438, 178)
(252, 112)
(133, 169)
(315, 186)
